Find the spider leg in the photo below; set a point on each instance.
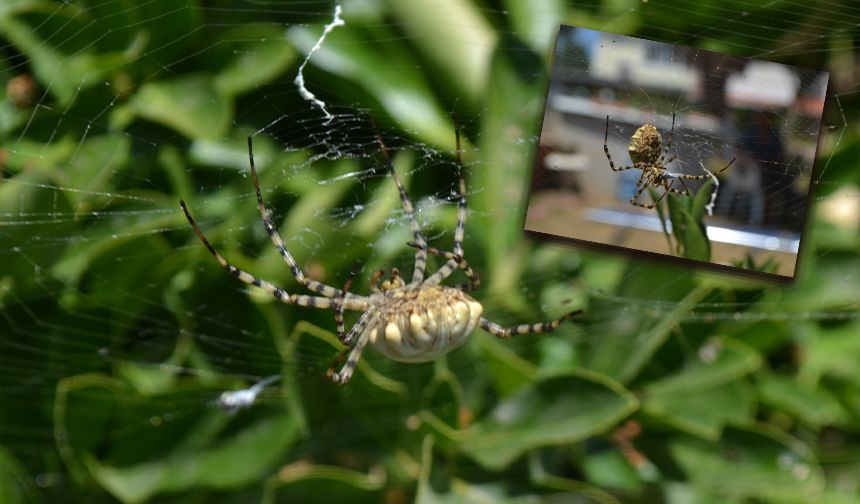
(658, 200)
(690, 177)
(539, 327)
(680, 177)
(420, 254)
(669, 145)
(605, 147)
(352, 302)
(343, 376)
(338, 361)
(702, 177)
(685, 192)
(374, 281)
(668, 187)
(338, 307)
(646, 182)
(606, 150)
(318, 287)
(455, 261)
(671, 133)
(461, 204)
(725, 167)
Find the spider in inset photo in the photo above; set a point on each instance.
(415, 321)
(645, 152)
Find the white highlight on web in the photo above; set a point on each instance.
(299, 81)
(232, 401)
(710, 206)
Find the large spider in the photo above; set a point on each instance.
(644, 150)
(412, 322)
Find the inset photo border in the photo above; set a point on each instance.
(674, 152)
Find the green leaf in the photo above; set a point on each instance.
(706, 394)
(68, 73)
(832, 352)
(678, 493)
(697, 246)
(233, 153)
(574, 489)
(83, 407)
(191, 105)
(841, 164)
(93, 167)
(436, 486)
(203, 456)
(677, 216)
(465, 492)
(228, 463)
(290, 345)
(733, 360)
(236, 460)
(444, 395)
(250, 56)
(113, 239)
(751, 463)
(557, 356)
(636, 336)
(30, 211)
(512, 114)
(561, 409)
(815, 406)
(833, 284)
(15, 483)
(536, 22)
(661, 214)
(704, 412)
(689, 232)
(173, 164)
(146, 380)
(609, 469)
(326, 483)
(602, 273)
(471, 38)
(509, 371)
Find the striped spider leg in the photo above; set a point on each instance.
(645, 152)
(412, 322)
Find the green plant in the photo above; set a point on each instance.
(118, 332)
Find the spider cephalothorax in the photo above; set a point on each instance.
(647, 155)
(413, 322)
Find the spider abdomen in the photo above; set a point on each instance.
(645, 145)
(420, 323)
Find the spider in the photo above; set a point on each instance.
(413, 321)
(644, 150)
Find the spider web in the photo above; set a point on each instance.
(755, 122)
(112, 113)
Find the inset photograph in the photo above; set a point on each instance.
(678, 152)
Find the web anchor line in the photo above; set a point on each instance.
(299, 81)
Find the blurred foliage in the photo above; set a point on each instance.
(119, 331)
(687, 215)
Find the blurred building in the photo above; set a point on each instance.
(644, 64)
